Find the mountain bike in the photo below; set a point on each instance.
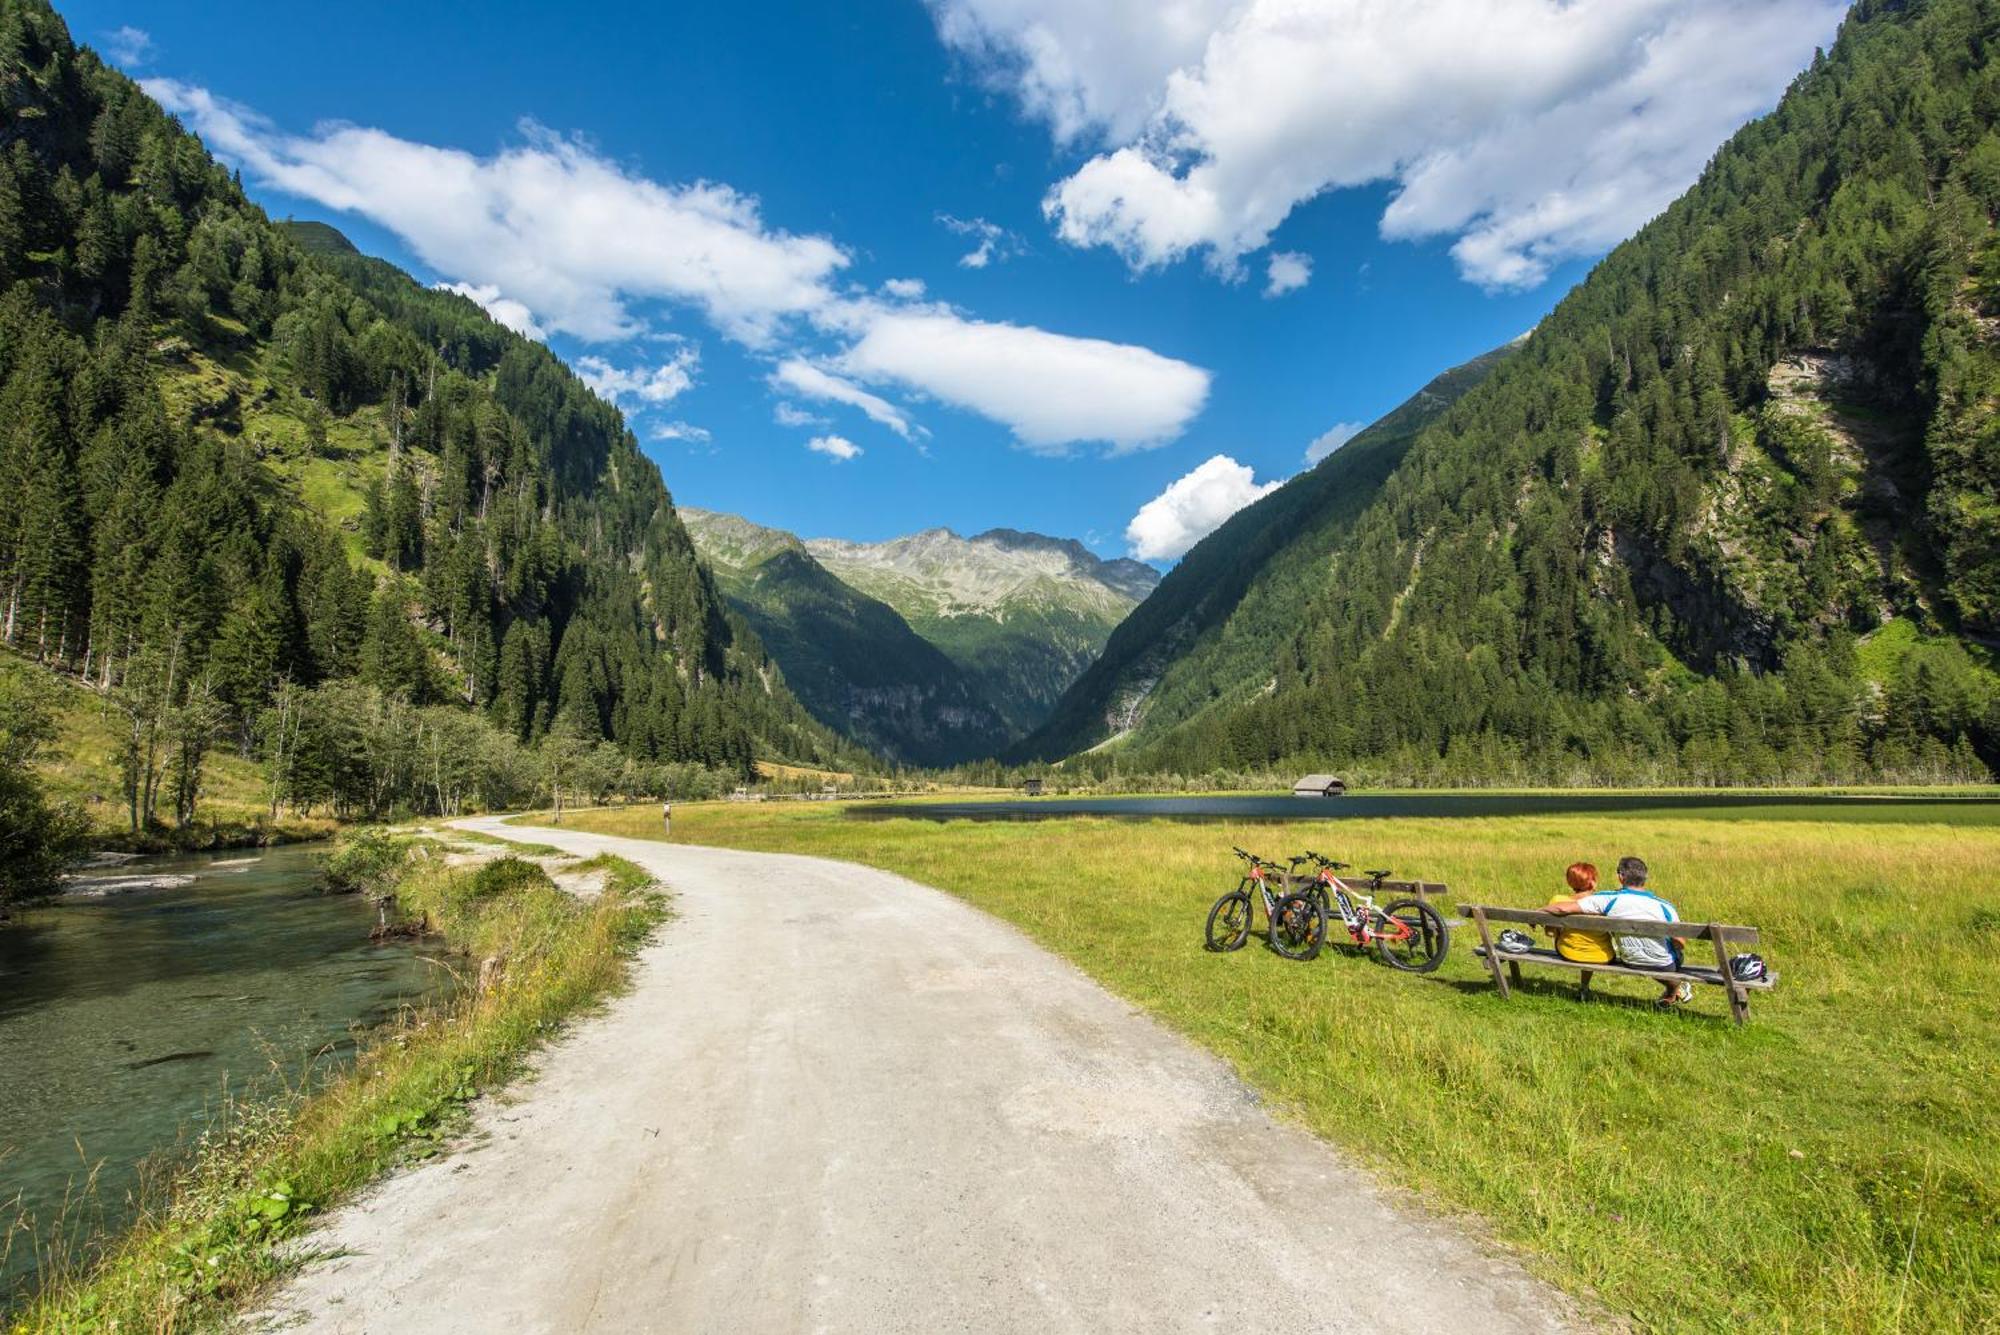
(1407, 933)
(1297, 925)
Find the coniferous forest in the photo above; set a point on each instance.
(1730, 515)
(267, 494)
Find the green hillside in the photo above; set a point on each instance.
(851, 659)
(1205, 631)
(276, 498)
(1732, 513)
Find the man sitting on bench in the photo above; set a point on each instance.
(1633, 900)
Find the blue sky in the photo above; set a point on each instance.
(1136, 207)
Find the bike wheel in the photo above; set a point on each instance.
(1412, 936)
(1229, 922)
(1298, 927)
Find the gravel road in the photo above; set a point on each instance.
(837, 1100)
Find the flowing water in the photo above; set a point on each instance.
(126, 1018)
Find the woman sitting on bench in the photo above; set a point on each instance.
(1630, 900)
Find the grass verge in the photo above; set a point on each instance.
(529, 957)
(1832, 1166)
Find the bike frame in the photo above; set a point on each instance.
(1357, 911)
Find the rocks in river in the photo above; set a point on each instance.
(170, 1057)
(100, 887)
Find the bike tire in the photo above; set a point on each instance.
(1229, 922)
(1424, 949)
(1298, 927)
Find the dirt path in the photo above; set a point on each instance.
(838, 1100)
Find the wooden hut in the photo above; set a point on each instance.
(1319, 785)
(1032, 788)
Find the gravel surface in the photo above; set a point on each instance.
(837, 1100)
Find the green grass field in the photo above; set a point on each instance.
(1834, 1165)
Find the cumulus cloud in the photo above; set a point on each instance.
(506, 310)
(570, 234)
(802, 377)
(698, 435)
(553, 238)
(1332, 439)
(790, 414)
(128, 45)
(653, 385)
(837, 448)
(995, 243)
(1532, 131)
(1288, 271)
(1193, 507)
(1052, 390)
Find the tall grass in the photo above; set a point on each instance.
(529, 957)
(1834, 1165)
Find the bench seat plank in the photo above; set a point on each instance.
(1692, 973)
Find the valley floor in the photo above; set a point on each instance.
(838, 1099)
(1832, 1165)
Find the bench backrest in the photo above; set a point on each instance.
(1591, 922)
(1419, 889)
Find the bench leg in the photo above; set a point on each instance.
(1514, 973)
(1583, 986)
(1492, 957)
(1739, 1000)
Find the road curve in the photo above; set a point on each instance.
(837, 1100)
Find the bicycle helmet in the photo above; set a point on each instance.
(1746, 968)
(1515, 943)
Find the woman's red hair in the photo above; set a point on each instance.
(1582, 877)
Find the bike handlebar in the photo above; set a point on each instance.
(1329, 863)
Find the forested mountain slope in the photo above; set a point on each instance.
(277, 495)
(1732, 513)
(852, 659)
(1196, 639)
(1023, 614)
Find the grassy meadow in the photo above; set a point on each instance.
(1834, 1165)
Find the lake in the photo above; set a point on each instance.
(125, 1019)
(1975, 809)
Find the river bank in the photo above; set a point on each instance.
(526, 955)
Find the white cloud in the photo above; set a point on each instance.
(1288, 272)
(652, 385)
(837, 448)
(129, 45)
(1530, 130)
(553, 238)
(1081, 67)
(802, 377)
(787, 414)
(905, 289)
(572, 235)
(506, 310)
(1192, 508)
(1332, 439)
(1052, 390)
(995, 241)
(698, 435)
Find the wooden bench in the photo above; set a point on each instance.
(1721, 935)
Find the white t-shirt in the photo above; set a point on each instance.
(1642, 952)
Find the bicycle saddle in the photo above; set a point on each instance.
(1381, 875)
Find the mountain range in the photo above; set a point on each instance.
(931, 648)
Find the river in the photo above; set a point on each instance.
(126, 1018)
